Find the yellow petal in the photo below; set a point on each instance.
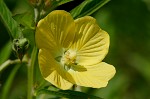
(52, 71)
(96, 76)
(55, 31)
(91, 43)
(58, 81)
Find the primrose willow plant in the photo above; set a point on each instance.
(71, 51)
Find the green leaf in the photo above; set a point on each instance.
(68, 94)
(61, 2)
(53, 5)
(29, 34)
(87, 7)
(5, 52)
(9, 81)
(56, 3)
(9, 22)
(25, 20)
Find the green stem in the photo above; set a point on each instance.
(31, 72)
(9, 63)
(33, 59)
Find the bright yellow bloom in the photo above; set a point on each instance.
(71, 51)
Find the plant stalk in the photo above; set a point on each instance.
(31, 72)
(32, 61)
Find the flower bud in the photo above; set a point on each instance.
(35, 2)
(20, 47)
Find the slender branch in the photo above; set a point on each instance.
(10, 62)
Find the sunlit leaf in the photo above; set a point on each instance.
(87, 7)
(9, 22)
(68, 94)
(5, 52)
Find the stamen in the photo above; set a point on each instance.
(68, 59)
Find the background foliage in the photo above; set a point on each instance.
(128, 24)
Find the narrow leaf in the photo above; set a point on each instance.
(54, 4)
(87, 7)
(61, 2)
(68, 94)
(9, 22)
(9, 81)
(5, 52)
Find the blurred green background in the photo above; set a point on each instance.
(128, 24)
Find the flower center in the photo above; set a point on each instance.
(68, 59)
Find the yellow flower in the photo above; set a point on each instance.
(71, 51)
